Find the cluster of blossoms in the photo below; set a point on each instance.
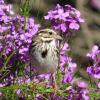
(15, 33)
(64, 18)
(67, 66)
(78, 92)
(94, 69)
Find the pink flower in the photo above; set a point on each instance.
(74, 25)
(98, 84)
(81, 84)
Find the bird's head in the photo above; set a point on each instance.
(49, 35)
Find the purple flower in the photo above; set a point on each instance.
(84, 94)
(15, 38)
(50, 15)
(18, 91)
(63, 56)
(94, 70)
(69, 71)
(1, 1)
(64, 18)
(74, 25)
(18, 38)
(81, 84)
(72, 67)
(68, 78)
(77, 94)
(93, 52)
(66, 64)
(61, 14)
(98, 84)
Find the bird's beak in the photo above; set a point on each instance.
(59, 37)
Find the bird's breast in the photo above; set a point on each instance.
(45, 58)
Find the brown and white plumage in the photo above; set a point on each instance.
(44, 51)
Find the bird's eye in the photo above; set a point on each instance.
(50, 33)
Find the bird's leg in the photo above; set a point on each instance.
(55, 86)
(30, 74)
(33, 75)
(35, 78)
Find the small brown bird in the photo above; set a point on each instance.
(44, 52)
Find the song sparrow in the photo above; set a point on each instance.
(44, 51)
